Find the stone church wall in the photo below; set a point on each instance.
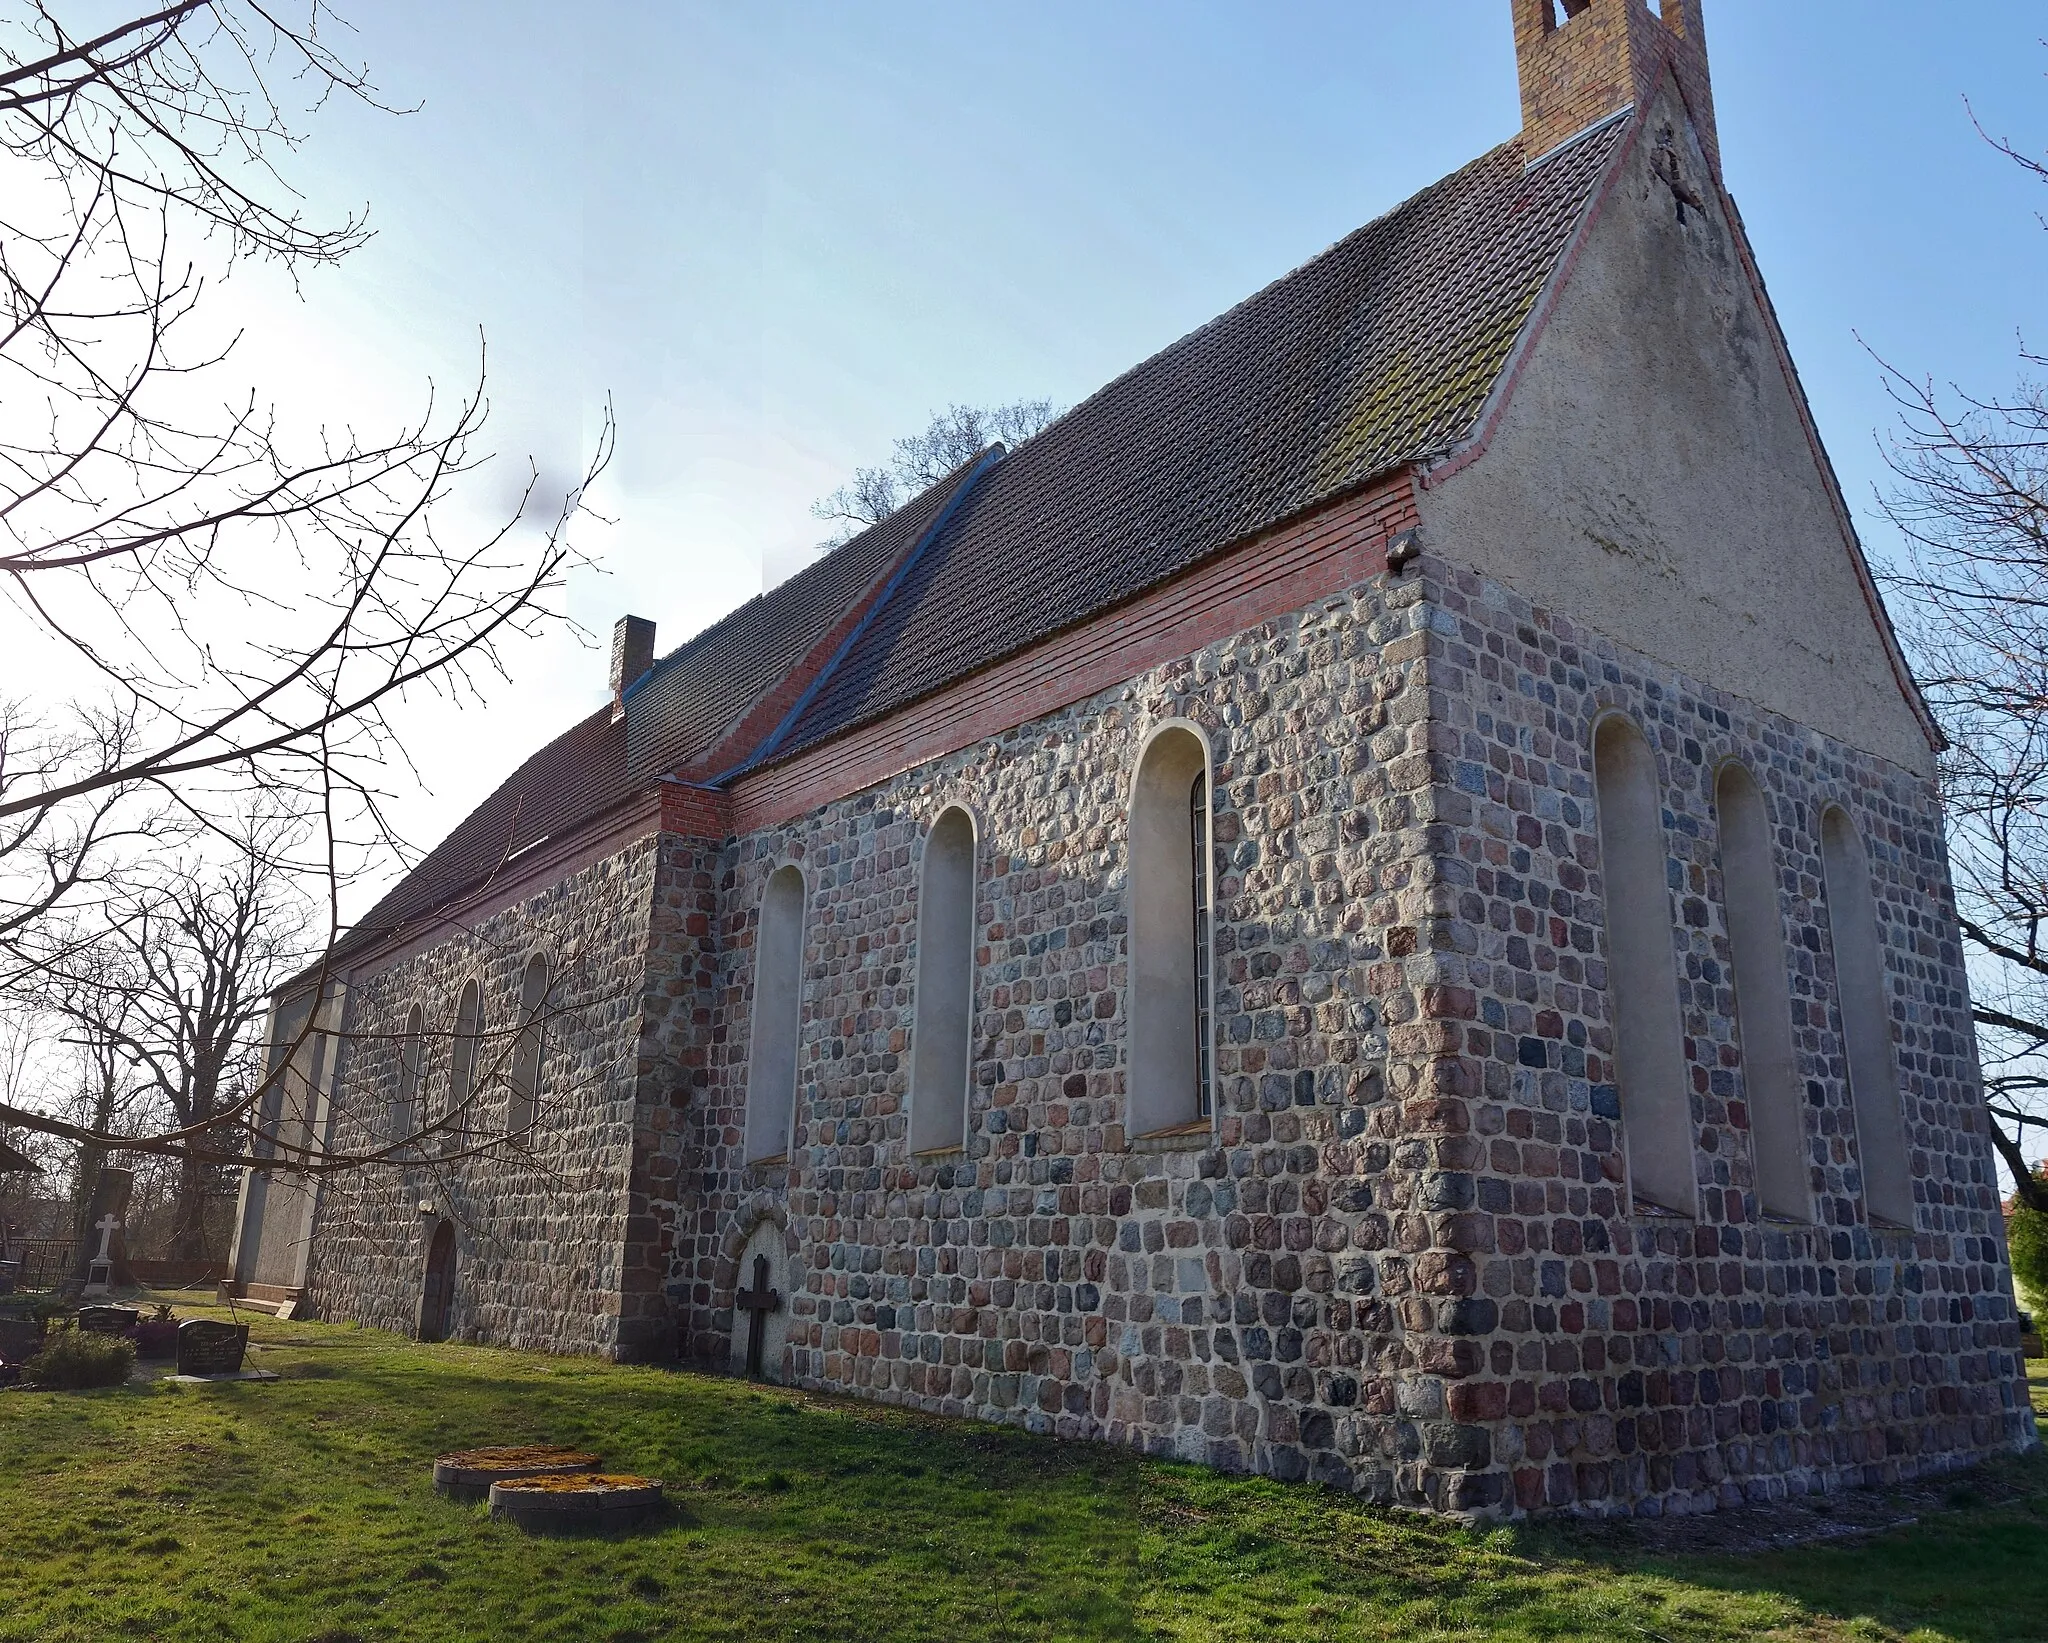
(1401, 1264)
(541, 1226)
(1622, 1360)
(1055, 1273)
(1403, 1261)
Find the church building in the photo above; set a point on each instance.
(1368, 906)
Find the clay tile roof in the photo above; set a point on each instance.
(696, 694)
(681, 708)
(575, 778)
(17, 1163)
(1379, 352)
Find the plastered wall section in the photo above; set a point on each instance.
(1652, 473)
(542, 1223)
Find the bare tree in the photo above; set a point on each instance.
(239, 606)
(93, 1090)
(1971, 500)
(923, 459)
(174, 979)
(19, 1188)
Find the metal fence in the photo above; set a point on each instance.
(42, 1263)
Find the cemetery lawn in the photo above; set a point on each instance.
(301, 1511)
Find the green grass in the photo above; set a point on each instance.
(301, 1511)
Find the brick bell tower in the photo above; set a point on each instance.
(1582, 60)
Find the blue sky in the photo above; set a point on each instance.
(780, 234)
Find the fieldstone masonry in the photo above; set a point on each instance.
(542, 1228)
(1404, 1262)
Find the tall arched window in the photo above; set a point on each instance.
(462, 1052)
(523, 1091)
(1642, 978)
(1763, 1014)
(1169, 1074)
(945, 986)
(1866, 1022)
(412, 1070)
(778, 1016)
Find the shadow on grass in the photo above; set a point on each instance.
(306, 1503)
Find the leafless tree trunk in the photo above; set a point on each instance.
(101, 1102)
(1972, 502)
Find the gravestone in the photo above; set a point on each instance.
(757, 1300)
(208, 1347)
(108, 1320)
(579, 1500)
(20, 1339)
(469, 1474)
(103, 1252)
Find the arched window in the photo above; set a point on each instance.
(1763, 1015)
(412, 1070)
(1642, 977)
(778, 1016)
(945, 986)
(1169, 1074)
(522, 1095)
(1866, 1022)
(462, 1051)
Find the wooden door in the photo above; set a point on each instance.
(437, 1293)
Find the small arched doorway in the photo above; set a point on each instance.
(437, 1292)
(761, 1304)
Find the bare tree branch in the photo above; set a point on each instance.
(1970, 499)
(921, 460)
(249, 606)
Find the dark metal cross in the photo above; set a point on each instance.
(758, 1302)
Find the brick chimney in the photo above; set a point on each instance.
(632, 655)
(1582, 60)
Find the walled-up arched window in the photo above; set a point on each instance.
(778, 1017)
(1169, 1077)
(523, 1087)
(1866, 1022)
(945, 986)
(412, 1071)
(1763, 1014)
(1642, 977)
(462, 1054)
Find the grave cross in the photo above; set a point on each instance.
(758, 1302)
(106, 1226)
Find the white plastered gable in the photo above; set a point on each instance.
(1649, 470)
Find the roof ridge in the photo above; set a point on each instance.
(1375, 352)
(1332, 249)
